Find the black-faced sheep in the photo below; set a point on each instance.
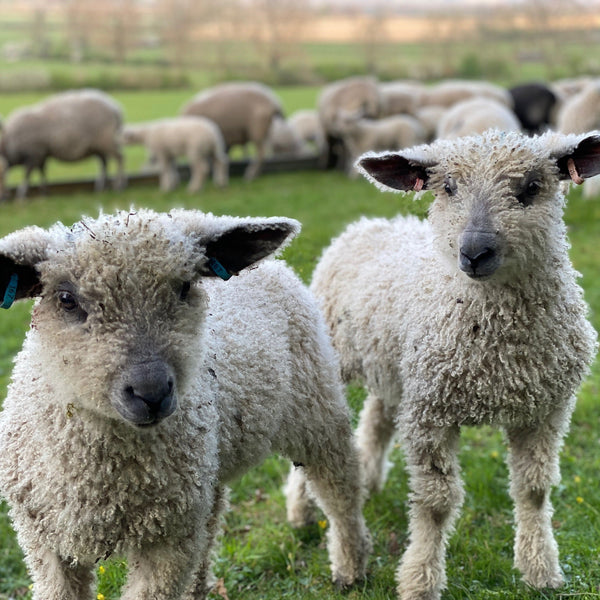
(243, 112)
(473, 316)
(146, 383)
(69, 126)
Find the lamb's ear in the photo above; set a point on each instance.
(582, 161)
(20, 253)
(392, 171)
(246, 242)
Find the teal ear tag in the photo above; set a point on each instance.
(11, 292)
(218, 269)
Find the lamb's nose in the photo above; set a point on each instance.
(478, 255)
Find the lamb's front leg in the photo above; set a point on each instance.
(534, 469)
(436, 496)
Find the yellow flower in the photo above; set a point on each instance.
(323, 524)
(101, 570)
(577, 479)
(579, 500)
(494, 454)
(100, 597)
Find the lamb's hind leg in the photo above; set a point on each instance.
(332, 478)
(534, 469)
(437, 494)
(375, 434)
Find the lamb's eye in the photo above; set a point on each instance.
(67, 301)
(531, 190)
(185, 290)
(448, 189)
(450, 186)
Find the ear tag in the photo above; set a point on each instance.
(11, 291)
(418, 184)
(218, 269)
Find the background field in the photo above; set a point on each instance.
(260, 555)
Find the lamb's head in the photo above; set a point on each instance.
(498, 207)
(121, 306)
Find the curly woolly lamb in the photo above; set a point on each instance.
(146, 383)
(473, 316)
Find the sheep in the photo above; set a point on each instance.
(449, 92)
(285, 139)
(196, 138)
(243, 111)
(429, 117)
(306, 122)
(389, 133)
(473, 316)
(474, 116)
(69, 126)
(534, 103)
(401, 97)
(146, 383)
(350, 95)
(578, 114)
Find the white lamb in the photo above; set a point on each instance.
(473, 316)
(146, 383)
(196, 138)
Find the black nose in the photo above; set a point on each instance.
(148, 392)
(478, 254)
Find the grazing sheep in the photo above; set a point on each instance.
(146, 383)
(534, 104)
(389, 133)
(196, 138)
(351, 95)
(285, 139)
(474, 116)
(449, 92)
(401, 97)
(69, 126)
(429, 117)
(473, 316)
(243, 111)
(306, 122)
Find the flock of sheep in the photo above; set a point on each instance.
(168, 354)
(352, 116)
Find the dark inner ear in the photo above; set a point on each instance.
(28, 284)
(395, 171)
(586, 157)
(239, 248)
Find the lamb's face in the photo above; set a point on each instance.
(497, 211)
(121, 310)
(498, 206)
(119, 317)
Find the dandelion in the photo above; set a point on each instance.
(494, 454)
(579, 500)
(100, 597)
(323, 524)
(101, 570)
(577, 479)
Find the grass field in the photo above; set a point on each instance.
(260, 556)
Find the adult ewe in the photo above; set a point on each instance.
(243, 111)
(196, 138)
(473, 316)
(146, 383)
(69, 126)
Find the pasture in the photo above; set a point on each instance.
(260, 556)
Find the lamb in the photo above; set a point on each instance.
(196, 138)
(285, 139)
(188, 381)
(350, 95)
(401, 97)
(243, 112)
(306, 122)
(474, 116)
(534, 104)
(473, 316)
(449, 92)
(389, 133)
(69, 126)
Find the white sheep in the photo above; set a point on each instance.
(471, 317)
(284, 139)
(401, 97)
(146, 383)
(475, 115)
(449, 92)
(196, 138)
(243, 112)
(389, 133)
(306, 122)
(69, 126)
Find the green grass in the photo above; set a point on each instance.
(260, 556)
